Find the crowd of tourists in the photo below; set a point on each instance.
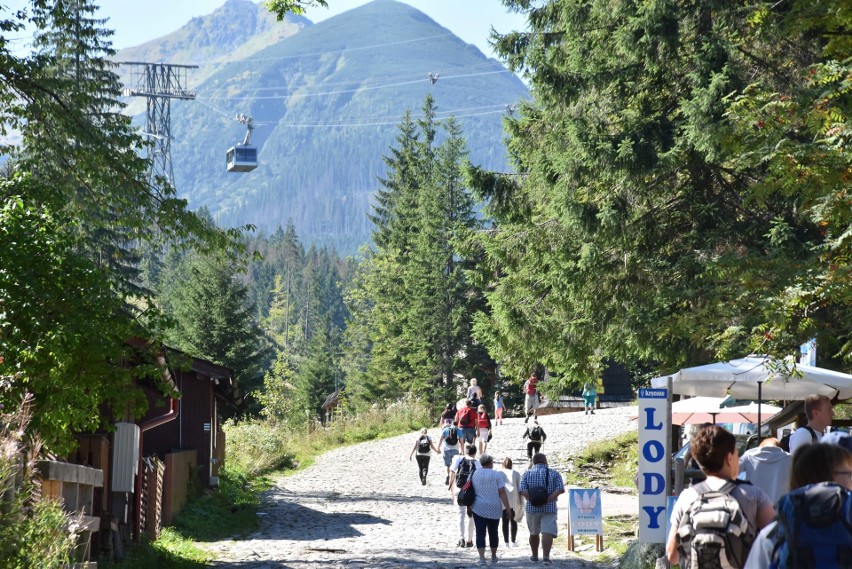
(770, 507)
(785, 504)
(493, 501)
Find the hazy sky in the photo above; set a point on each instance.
(137, 21)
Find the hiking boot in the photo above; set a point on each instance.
(460, 543)
(469, 544)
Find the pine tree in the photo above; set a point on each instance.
(214, 319)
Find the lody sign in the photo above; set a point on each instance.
(654, 462)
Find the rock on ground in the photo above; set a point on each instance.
(364, 505)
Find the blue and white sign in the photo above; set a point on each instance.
(584, 511)
(808, 353)
(654, 462)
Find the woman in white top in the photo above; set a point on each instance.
(513, 514)
(489, 485)
(474, 393)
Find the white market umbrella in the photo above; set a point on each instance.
(752, 378)
(758, 378)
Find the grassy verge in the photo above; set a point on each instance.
(611, 463)
(230, 510)
(257, 452)
(258, 446)
(614, 461)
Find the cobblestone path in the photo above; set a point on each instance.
(363, 506)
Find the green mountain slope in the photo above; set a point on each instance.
(326, 102)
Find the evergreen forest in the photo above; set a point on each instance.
(679, 193)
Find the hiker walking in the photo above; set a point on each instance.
(536, 436)
(447, 415)
(460, 471)
(423, 447)
(450, 439)
(498, 408)
(514, 513)
(819, 412)
(541, 486)
(820, 480)
(466, 420)
(491, 500)
(483, 429)
(531, 397)
(768, 467)
(589, 397)
(474, 393)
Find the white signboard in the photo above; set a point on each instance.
(584, 511)
(654, 463)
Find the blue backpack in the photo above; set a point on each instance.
(813, 529)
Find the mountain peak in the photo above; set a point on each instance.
(326, 102)
(235, 29)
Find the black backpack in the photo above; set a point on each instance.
(423, 445)
(535, 433)
(466, 467)
(452, 437)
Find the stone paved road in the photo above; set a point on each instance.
(363, 506)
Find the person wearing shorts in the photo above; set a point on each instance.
(498, 408)
(541, 520)
(531, 397)
(450, 451)
(483, 429)
(466, 421)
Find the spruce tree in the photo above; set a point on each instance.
(655, 217)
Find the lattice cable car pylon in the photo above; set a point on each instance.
(159, 83)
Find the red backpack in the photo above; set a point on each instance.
(467, 418)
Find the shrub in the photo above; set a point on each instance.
(258, 446)
(34, 533)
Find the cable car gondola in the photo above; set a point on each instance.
(243, 157)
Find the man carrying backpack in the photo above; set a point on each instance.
(736, 510)
(450, 436)
(460, 472)
(537, 436)
(466, 419)
(820, 414)
(541, 486)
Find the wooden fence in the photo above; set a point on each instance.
(180, 473)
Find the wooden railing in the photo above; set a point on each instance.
(74, 486)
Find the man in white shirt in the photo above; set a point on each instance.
(820, 414)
